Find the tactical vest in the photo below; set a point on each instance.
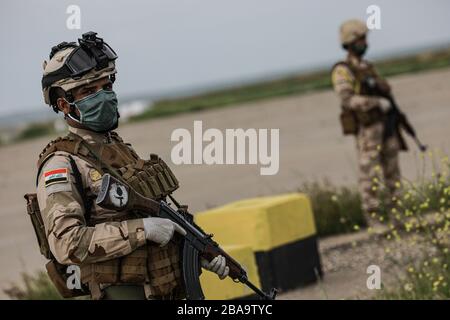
(351, 120)
(158, 269)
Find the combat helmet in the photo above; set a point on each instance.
(72, 65)
(351, 30)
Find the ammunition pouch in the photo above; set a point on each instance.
(157, 269)
(38, 225)
(370, 117)
(56, 271)
(151, 178)
(349, 122)
(352, 120)
(58, 275)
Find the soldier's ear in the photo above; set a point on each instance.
(63, 105)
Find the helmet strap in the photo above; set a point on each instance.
(72, 114)
(73, 117)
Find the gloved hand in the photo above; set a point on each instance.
(384, 104)
(217, 265)
(161, 230)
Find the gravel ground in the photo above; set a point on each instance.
(345, 266)
(379, 251)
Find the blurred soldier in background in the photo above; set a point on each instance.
(121, 255)
(361, 90)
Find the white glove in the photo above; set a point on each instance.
(217, 265)
(384, 104)
(161, 230)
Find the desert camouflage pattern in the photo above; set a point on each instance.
(110, 247)
(71, 239)
(348, 86)
(377, 161)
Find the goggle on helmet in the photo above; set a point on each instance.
(72, 65)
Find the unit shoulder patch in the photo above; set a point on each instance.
(94, 175)
(60, 175)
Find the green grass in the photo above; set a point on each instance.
(228, 97)
(35, 130)
(33, 287)
(336, 209)
(290, 85)
(430, 280)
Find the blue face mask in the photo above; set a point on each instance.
(98, 111)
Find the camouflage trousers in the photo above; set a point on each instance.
(378, 169)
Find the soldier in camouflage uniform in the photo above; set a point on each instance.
(121, 255)
(363, 113)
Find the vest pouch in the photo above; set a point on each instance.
(163, 182)
(58, 275)
(170, 174)
(101, 272)
(164, 269)
(145, 186)
(161, 177)
(38, 225)
(134, 182)
(133, 267)
(370, 117)
(349, 122)
(168, 178)
(56, 271)
(153, 184)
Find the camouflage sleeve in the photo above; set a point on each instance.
(344, 85)
(71, 240)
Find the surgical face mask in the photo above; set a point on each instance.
(359, 49)
(98, 111)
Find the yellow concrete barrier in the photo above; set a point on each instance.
(262, 223)
(279, 230)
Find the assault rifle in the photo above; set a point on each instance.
(395, 118)
(118, 196)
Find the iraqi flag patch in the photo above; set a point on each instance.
(56, 176)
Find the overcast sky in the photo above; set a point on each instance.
(177, 44)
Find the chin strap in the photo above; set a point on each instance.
(72, 115)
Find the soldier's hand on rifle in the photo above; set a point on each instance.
(384, 104)
(217, 265)
(161, 230)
